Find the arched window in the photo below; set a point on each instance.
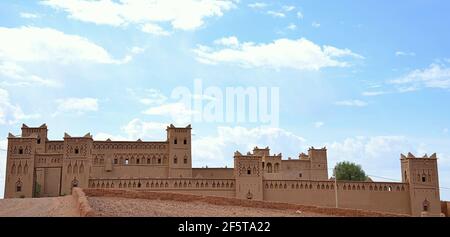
(269, 168)
(249, 171)
(276, 167)
(75, 183)
(19, 186)
(426, 205)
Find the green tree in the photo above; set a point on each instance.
(349, 171)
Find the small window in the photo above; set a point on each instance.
(175, 141)
(184, 141)
(185, 160)
(159, 160)
(20, 151)
(249, 172)
(300, 175)
(115, 161)
(175, 160)
(126, 161)
(19, 187)
(148, 161)
(424, 179)
(137, 161)
(77, 151)
(39, 141)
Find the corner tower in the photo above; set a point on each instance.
(422, 175)
(180, 155)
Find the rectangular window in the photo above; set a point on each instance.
(185, 142)
(175, 141)
(115, 161)
(175, 160)
(185, 160)
(159, 160)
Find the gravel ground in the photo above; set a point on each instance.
(35, 207)
(115, 206)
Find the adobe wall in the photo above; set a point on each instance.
(213, 173)
(212, 187)
(295, 169)
(385, 197)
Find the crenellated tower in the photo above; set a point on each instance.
(77, 162)
(319, 163)
(249, 176)
(180, 155)
(422, 175)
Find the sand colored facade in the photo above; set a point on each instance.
(39, 167)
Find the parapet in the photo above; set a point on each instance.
(411, 156)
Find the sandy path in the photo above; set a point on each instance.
(115, 206)
(54, 206)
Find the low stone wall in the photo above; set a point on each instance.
(82, 203)
(143, 194)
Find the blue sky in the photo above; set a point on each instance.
(367, 79)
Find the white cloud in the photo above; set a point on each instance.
(374, 93)
(33, 44)
(401, 53)
(184, 15)
(101, 136)
(288, 8)
(147, 96)
(154, 29)
(300, 15)
(257, 5)
(137, 50)
(379, 155)
(318, 124)
(315, 24)
(137, 128)
(20, 77)
(352, 103)
(178, 111)
(10, 113)
(291, 26)
(276, 14)
(435, 76)
(445, 130)
(300, 54)
(77, 105)
(218, 150)
(29, 15)
(227, 41)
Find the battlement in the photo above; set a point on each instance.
(411, 156)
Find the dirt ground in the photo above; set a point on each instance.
(36, 207)
(116, 206)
